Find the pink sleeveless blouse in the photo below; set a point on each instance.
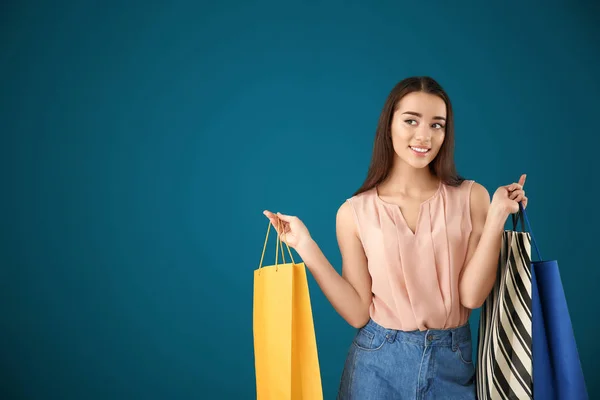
(415, 275)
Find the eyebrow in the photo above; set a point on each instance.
(421, 115)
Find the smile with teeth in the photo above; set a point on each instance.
(422, 150)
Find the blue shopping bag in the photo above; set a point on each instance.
(557, 372)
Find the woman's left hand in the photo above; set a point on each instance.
(507, 198)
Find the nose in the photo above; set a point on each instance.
(423, 134)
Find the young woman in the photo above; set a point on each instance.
(419, 247)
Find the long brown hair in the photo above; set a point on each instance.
(442, 166)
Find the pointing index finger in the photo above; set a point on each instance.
(522, 179)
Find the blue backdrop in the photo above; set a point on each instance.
(140, 144)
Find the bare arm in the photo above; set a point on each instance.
(349, 293)
(479, 273)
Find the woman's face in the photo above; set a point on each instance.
(419, 128)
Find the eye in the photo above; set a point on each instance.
(408, 121)
(440, 126)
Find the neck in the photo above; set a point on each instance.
(407, 179)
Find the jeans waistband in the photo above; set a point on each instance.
(452, 337)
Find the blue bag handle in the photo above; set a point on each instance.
(522, 215)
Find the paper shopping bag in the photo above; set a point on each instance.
(504, 348)
(557, 372)
(285, 348)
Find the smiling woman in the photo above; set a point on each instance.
(419, 248)
(425, 132)
(417, 116)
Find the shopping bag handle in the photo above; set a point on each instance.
(522, 216)
(276, 247)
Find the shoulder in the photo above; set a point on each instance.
(349, 213)
(346, 214)
(479, 195)
(345, 211)
(479, 201)
(346, 220)
(358, 203)
(472, 190)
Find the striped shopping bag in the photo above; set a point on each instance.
(504, 344)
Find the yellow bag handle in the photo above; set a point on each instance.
(276, 248)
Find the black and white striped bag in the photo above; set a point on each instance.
(504, 346)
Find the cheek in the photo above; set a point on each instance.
(400, 140)
(401, 134)
(437, 142)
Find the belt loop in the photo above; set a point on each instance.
(455, 339)
(390, 335)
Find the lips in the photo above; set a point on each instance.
(420, 150)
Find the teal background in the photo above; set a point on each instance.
(140, 144)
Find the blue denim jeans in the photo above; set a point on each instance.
(389, 364)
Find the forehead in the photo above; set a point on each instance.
(423, 103)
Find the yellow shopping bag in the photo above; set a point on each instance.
(285, 346)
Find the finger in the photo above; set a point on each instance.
(522, 180)
(276, 222)
(519, 198)
(514, 186)
(286, 218)
(285, 227)
(525, 202)
(517, 193)
(269, 214)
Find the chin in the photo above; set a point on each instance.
(416, 164)
(419, 165)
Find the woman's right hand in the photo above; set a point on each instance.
(291, 229)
